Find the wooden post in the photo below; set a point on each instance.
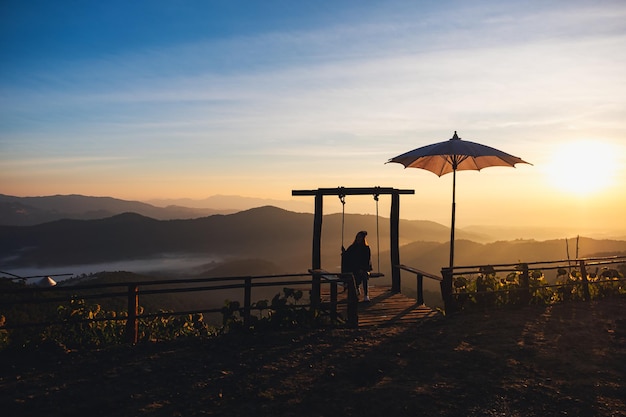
(316, 261)
(583, 274)
(247, 302)
(446, 290)
(132, 328)
(524, 281)
(420, 289)
(394, 227)
(333, 301)
(353, 303)
(316, 291)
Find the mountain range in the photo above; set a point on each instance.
(262, 240)
(278, 235)
(28, 211)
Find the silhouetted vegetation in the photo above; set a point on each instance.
(94, 318)
(488, 289)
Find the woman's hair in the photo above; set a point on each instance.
(361, 233)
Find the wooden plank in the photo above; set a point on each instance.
(385, 307)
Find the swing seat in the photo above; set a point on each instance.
(376, 275)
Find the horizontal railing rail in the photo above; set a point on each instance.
(542, 265)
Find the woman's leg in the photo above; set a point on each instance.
(365, 289)
(357, 282)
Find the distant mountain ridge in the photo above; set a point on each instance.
(234, 203)
(28, 211)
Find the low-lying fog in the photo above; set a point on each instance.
(164, 264)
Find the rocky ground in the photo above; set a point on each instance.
(567, 359)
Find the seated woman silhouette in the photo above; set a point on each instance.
(357, 259)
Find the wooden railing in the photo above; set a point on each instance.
(420, 275)
(450, 295)
(134, 290)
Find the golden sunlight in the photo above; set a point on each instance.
(583, 167)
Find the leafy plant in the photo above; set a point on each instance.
(4, 334)
(283, 311)
(81, 324)
(84, 324)
(488, 289)
(164, 327)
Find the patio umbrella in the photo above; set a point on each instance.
(451, 156)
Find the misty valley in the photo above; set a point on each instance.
(259, 241)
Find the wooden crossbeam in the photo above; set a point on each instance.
(351, 191)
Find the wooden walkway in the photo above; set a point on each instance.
(385, 308)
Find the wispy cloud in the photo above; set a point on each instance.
(325, 103)
(63, 160)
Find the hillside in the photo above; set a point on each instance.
(565, 359)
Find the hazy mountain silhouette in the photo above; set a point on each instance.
(26, 211)
(234, 203)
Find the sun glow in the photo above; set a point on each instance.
(583, 167)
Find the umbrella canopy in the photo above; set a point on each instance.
(455, 155)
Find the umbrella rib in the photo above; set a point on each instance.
(456, 160)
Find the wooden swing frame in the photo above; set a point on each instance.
(394, 220)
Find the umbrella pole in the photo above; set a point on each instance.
(453, 218)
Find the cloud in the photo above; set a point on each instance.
(335, 101)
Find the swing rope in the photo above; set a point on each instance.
(377, 236)
(342, 198)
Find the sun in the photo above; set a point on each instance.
(583, 167)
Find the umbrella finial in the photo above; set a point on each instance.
(455, 136)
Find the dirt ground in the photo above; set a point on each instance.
(562, 360)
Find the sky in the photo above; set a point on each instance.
(160, 99)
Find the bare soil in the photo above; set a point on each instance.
(562, 360)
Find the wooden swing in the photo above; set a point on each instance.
(342, 199)
(394, 224)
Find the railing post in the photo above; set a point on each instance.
(318, 216)
(247, 301)
(316, 291)
(446, 290)
(420, 289)
(583, 274)
(353, 302)
(333, 301)
(525, 284)
(132, 328)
